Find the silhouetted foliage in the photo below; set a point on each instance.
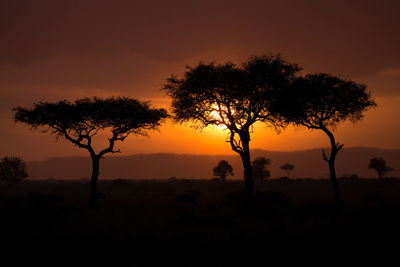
(379, 165)
(233, 97)
(287, 167)
(13, 170)
(320, 102)
(259, 166)
(223, 169)
(80, 121)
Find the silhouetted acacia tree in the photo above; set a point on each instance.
(233, 97)
(287, 167)
(379, 164)
(13, 170)
(79, 122)
(223, 169)
(259, 166)
(320, 102)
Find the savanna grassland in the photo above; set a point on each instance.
(200, 223)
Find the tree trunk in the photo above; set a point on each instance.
(93, 182)
(334, 181)
(331, 162)
(242, 148)
(248, 172)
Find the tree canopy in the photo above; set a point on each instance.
(260, 170)
(79, 121)
(287, 167)
(322, 100)
(229, 95)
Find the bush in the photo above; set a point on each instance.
(13, 170)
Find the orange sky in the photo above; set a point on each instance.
(54, 50)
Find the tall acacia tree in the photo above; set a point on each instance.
(79, 122)
(320, 102)
(233, 97)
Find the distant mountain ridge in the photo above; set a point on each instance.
(308, 163)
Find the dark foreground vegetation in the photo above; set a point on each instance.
(200, 223)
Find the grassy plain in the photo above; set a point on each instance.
(200, 223)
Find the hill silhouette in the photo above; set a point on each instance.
(308, 164)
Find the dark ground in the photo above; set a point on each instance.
(141, 223)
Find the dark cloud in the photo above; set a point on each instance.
(52, 50)
(120, 44)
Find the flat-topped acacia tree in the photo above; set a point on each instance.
(320, 102)
(80, 121)
(233, 97)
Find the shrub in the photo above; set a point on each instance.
(13, 170)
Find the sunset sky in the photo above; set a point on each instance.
(53, 50)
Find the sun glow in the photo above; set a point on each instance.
(217, 115)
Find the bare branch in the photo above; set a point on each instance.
(324, 157)
(339, 146)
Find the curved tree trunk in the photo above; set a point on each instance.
(93, 182)
(331, 162)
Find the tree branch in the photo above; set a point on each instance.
(76, 141)
(110, 148)
(324, 157)
(339, 146)
(235, 146)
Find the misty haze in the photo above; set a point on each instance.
(308, 164)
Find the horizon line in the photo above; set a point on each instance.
(214, 155)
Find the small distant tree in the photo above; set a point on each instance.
(287, 167)
(320, 102)
(379, 165)
(260, 171)
(79, 122)
(223, 169)
(13, 170)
